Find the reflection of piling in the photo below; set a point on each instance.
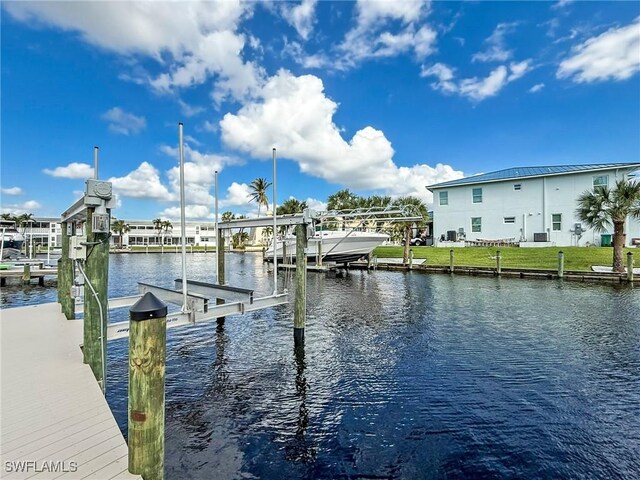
(65, 276)
(560, 264)
(630, 267)
(300, 307)
(147, 358)
(451, 261)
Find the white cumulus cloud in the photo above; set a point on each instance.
(74, 170)
(12, 191)
(301, 16)
(30, 206)
(123, 122)
(143, 182)
(613, 55)
(294, 115)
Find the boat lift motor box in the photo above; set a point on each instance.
(77, 247)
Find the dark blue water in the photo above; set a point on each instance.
(403, 375)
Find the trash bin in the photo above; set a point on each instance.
(605, 240)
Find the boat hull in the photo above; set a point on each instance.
(336, 247)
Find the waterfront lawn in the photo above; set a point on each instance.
(575, 258)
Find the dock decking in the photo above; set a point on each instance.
(53, 417)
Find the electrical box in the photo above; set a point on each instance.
(69, 229)
(77, 251)
(100, 223)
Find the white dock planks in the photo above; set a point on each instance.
(54, 421)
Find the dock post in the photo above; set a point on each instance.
(411, 259)
(300, 308)
(284, 250)
(560, 264)
(220, 255)
(369, 257)
(451, 261)
(147, 359)
(498, 263)
(319, 262)
(65, 276)
(26, 274)
(96, 299)
(630, 267)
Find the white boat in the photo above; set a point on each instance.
(12, 239)
(342, 246)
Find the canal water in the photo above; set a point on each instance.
(403, 376)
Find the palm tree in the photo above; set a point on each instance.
(259, 192)
(342, 200)
(226, 216)
(120, 227)
(167, 227)
(416, 207)
(290, 206)
(157, 223)
(603, 206)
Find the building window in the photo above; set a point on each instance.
(444, 198)
(556, 222)
(600, 181)
(509, 219)
(476, 224)
(517, 186)
(477, 195)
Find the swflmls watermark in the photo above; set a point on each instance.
(49, 466)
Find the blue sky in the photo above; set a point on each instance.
(379, 97)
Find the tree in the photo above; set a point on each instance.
(157, 223)
(226, 216)
(416, 207)
(120, 227)
(342, 200)
(290, 206)
(603, 206)
(167, 227)
(259, 192)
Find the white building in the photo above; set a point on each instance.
(533, 206)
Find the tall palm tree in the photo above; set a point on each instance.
(416, 207)
(157, 223)
(167, 227)
(120, 227)
(259, 192)
(603, 206)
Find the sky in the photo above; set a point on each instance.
(380, 97)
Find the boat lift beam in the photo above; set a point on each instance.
(179, 319)
(213, 290)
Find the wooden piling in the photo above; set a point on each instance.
(319, 262)
(220, 254)
(451, 261)
(284, 251)
(26, 274)
(410, 259)
(300, 308)
(65, 277)
(630, 267)
(498, 263)
(147, 359)
(560, 264)
(96, 268)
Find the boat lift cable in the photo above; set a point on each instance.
(102, 327)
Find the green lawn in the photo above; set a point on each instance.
(575, 258)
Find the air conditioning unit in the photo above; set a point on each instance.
(452, 236)
(540, 237)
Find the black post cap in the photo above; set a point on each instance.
(148, 307)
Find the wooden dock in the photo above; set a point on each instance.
(27, 271)
(54, 421)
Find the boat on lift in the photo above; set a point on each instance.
(339, 246)
(12, 239)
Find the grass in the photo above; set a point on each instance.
(575, 258)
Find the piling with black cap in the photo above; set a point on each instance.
(147, 358)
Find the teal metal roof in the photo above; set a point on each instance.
(526, 172)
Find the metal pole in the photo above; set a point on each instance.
(183, 226)
(95, 162)
(215, 218)
(275, 258)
